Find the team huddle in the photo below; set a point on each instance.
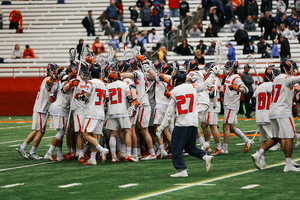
(146, 110)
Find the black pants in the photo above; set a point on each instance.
(13, 25)
(145, 23)
(247, 99)
(89, 32)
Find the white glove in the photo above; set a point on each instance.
(159, 133)
(146, 67)
(215, 70)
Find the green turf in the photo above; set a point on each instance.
(102, 181)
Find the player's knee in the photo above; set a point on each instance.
(60, 134)
(85, 135)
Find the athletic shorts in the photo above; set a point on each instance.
(58, 122)
(158, 116)
(39, 121)
(265, 131)
(144, 116)
(151, 121)
(93, 125)
(78, 123)
(211, 118)
(283, 127)
(230, 117)
(202, 111)
(114, 123)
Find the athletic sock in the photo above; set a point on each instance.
(68, 149)
(278, 144)
(296, 135)
(80, 153)
(134, 151)
(99, 148)
(123, 149)
(24, 145)
(157, 145)
(139, 151)
(240, 134)
(201, 141)
(51, 149)
(204, 157)
(112, 145)
(152, 152)
(33, 150)
(162, 147)
(119, 145)
(218, 145)
(128, 151)
(288, 161)
(85, 148)
(225, 146)
(261, 152)
(59, 151)
(208, 142)
(93, 155)
(262, 159)
(73, 150)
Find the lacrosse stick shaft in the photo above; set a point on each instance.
(254, 135)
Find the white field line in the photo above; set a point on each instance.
(128, 185)
(14, 145)
(23, 140)
(12, 185)
(14, 127)
(69, 185)
(204, 182)
(198, 184)
(250, 186)
(7, 169)
(240, 144)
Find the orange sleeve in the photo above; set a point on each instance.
(31, 54)
(94, 47)
(21, 23)
(10, 14)
(102, 48)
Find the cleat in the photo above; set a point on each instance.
(225, 150)
(290, 168)
(204, 146)
(164, 154)
(208, 150)
(81, 160)
(170, 156)
(76, 154)
(140, 156)
(90, 162)
(68, 156)
(248, 145)
(136, 158)
(263, 165)
(295, 164)
(86, 156)
(35, 156)
(114, 160)
(149, 157)
(180, 173)
(218, 152)
(158, 152)
(60, 158)
(297, 141)
(48, 156)
(73, 155)
(209, 163)
(104, 153)
(275, 148)
(256, 161)
(130, 159)
(22, 152)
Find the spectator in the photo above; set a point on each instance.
(266, 5)
(184, 10)
(263, 48)
(203, 50)
(242, 12)
(206, 4)
(133, 27)
(141, 4)
(285, 32)
(211, 48)
(249, 25)
(268, 23)
(275, 49)
(278, 17)
(252, 9)
(154, 38)
(249, 48)
(98, 45)
(145, 15)
(119, 28)
(28, 52)
(295, 33)
(111, 10)
(280, 6)
(161, 55)
(79, 48)
(114, 43)
(88, 24)
(96, 54)
(184, 49)
(108, 30)
(211, 31)
(214, 18)
(119, 10)
(15, 16)
(229, 14)
(168, 25)
(199, 25)
(16, 52)
(248, 81)
(195, 32)
(235, 4)
(102, 23)
(285, 51)
(293, 21)
(161, 4)
(294, 12)
(174, 6)
(234, 26)
(156, 13)
(132, 38)
(133, 13)
(297, 7)
(198, 57)
(142, 42)
(231, 51)
(284, 21)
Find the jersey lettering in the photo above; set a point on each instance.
(100, 94)
(264, 99)
(275, 96)
(182, 100)
(113, 92)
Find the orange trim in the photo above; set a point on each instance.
(193, 85)
(79, 123)
(87, 125)
(141, 118)
(90, 82)
(104, 123)
(234, 79)
(292, 124)
(207, 121)
(228, 116)
(63, 123)
(155, 113)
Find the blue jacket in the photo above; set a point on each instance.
(118, 27)
(231, 53)
(275, 51)
(114, 43)
(110, 11)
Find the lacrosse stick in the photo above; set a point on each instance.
(126, 52)
(254, 136)
(72, 55)
(110, 54)
(218, 57)
(124, 39)
(252, 63)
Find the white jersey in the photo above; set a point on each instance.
(62, 101)
(141, 87)
(162, 101)
(197, 77)
(214, 103)
(77, 104)
(263, 101)
(282, 98)
(42, 103)
(151, 92)
(95, 104)
(232, 97)
(117, 105)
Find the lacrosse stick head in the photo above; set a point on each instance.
(136, 50)
(101, 59)
(72, 54)
(288, 66)
(84, 52)
(271, 73)
(128, 53)
(231, 66)
(218, 54)
(251, 61)
(111, 53)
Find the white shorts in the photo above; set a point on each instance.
(58, 122)
(144, 116)
(158, 116)
(93, 125)
(265, 131)
(78, 123)
(39, 121)
(283, 127)
(211, 118)
(230, 117)
(114, 123)
(202, 111)
(151, 121)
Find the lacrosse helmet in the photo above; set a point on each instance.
(178, 76)
(208, 66)
(157, 64)
(89, 59)
(95, 70)
(167, 68)
(51, 69)
(84, 71)
(175, 65)
(271, 73)
(190, 65)
(231, 66)
(122, 66)
(288, 66)
(108, 68)
(133, 64)
(113, 76)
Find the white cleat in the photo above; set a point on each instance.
(275, 148)
(60, 157)
(248, 145)
(263, 165)
(297, 141)
(90, 162)
(104, 153)
(295, 164)
(136, 158)
(225, 150)
(158, 153)
(22, 152)
(149, 157)
(163, 154)
(205, 146)
(180, 173)
(35, 156)
(290, 168)
(256, 161)
(209, 163)
(48, 156)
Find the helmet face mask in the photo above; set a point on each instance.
(271, 73)
(209, 66)
(190, 65)
(84, 71)
(289, 67)
(51, 68)
(231, 66)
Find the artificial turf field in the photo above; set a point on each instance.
(41, 179)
